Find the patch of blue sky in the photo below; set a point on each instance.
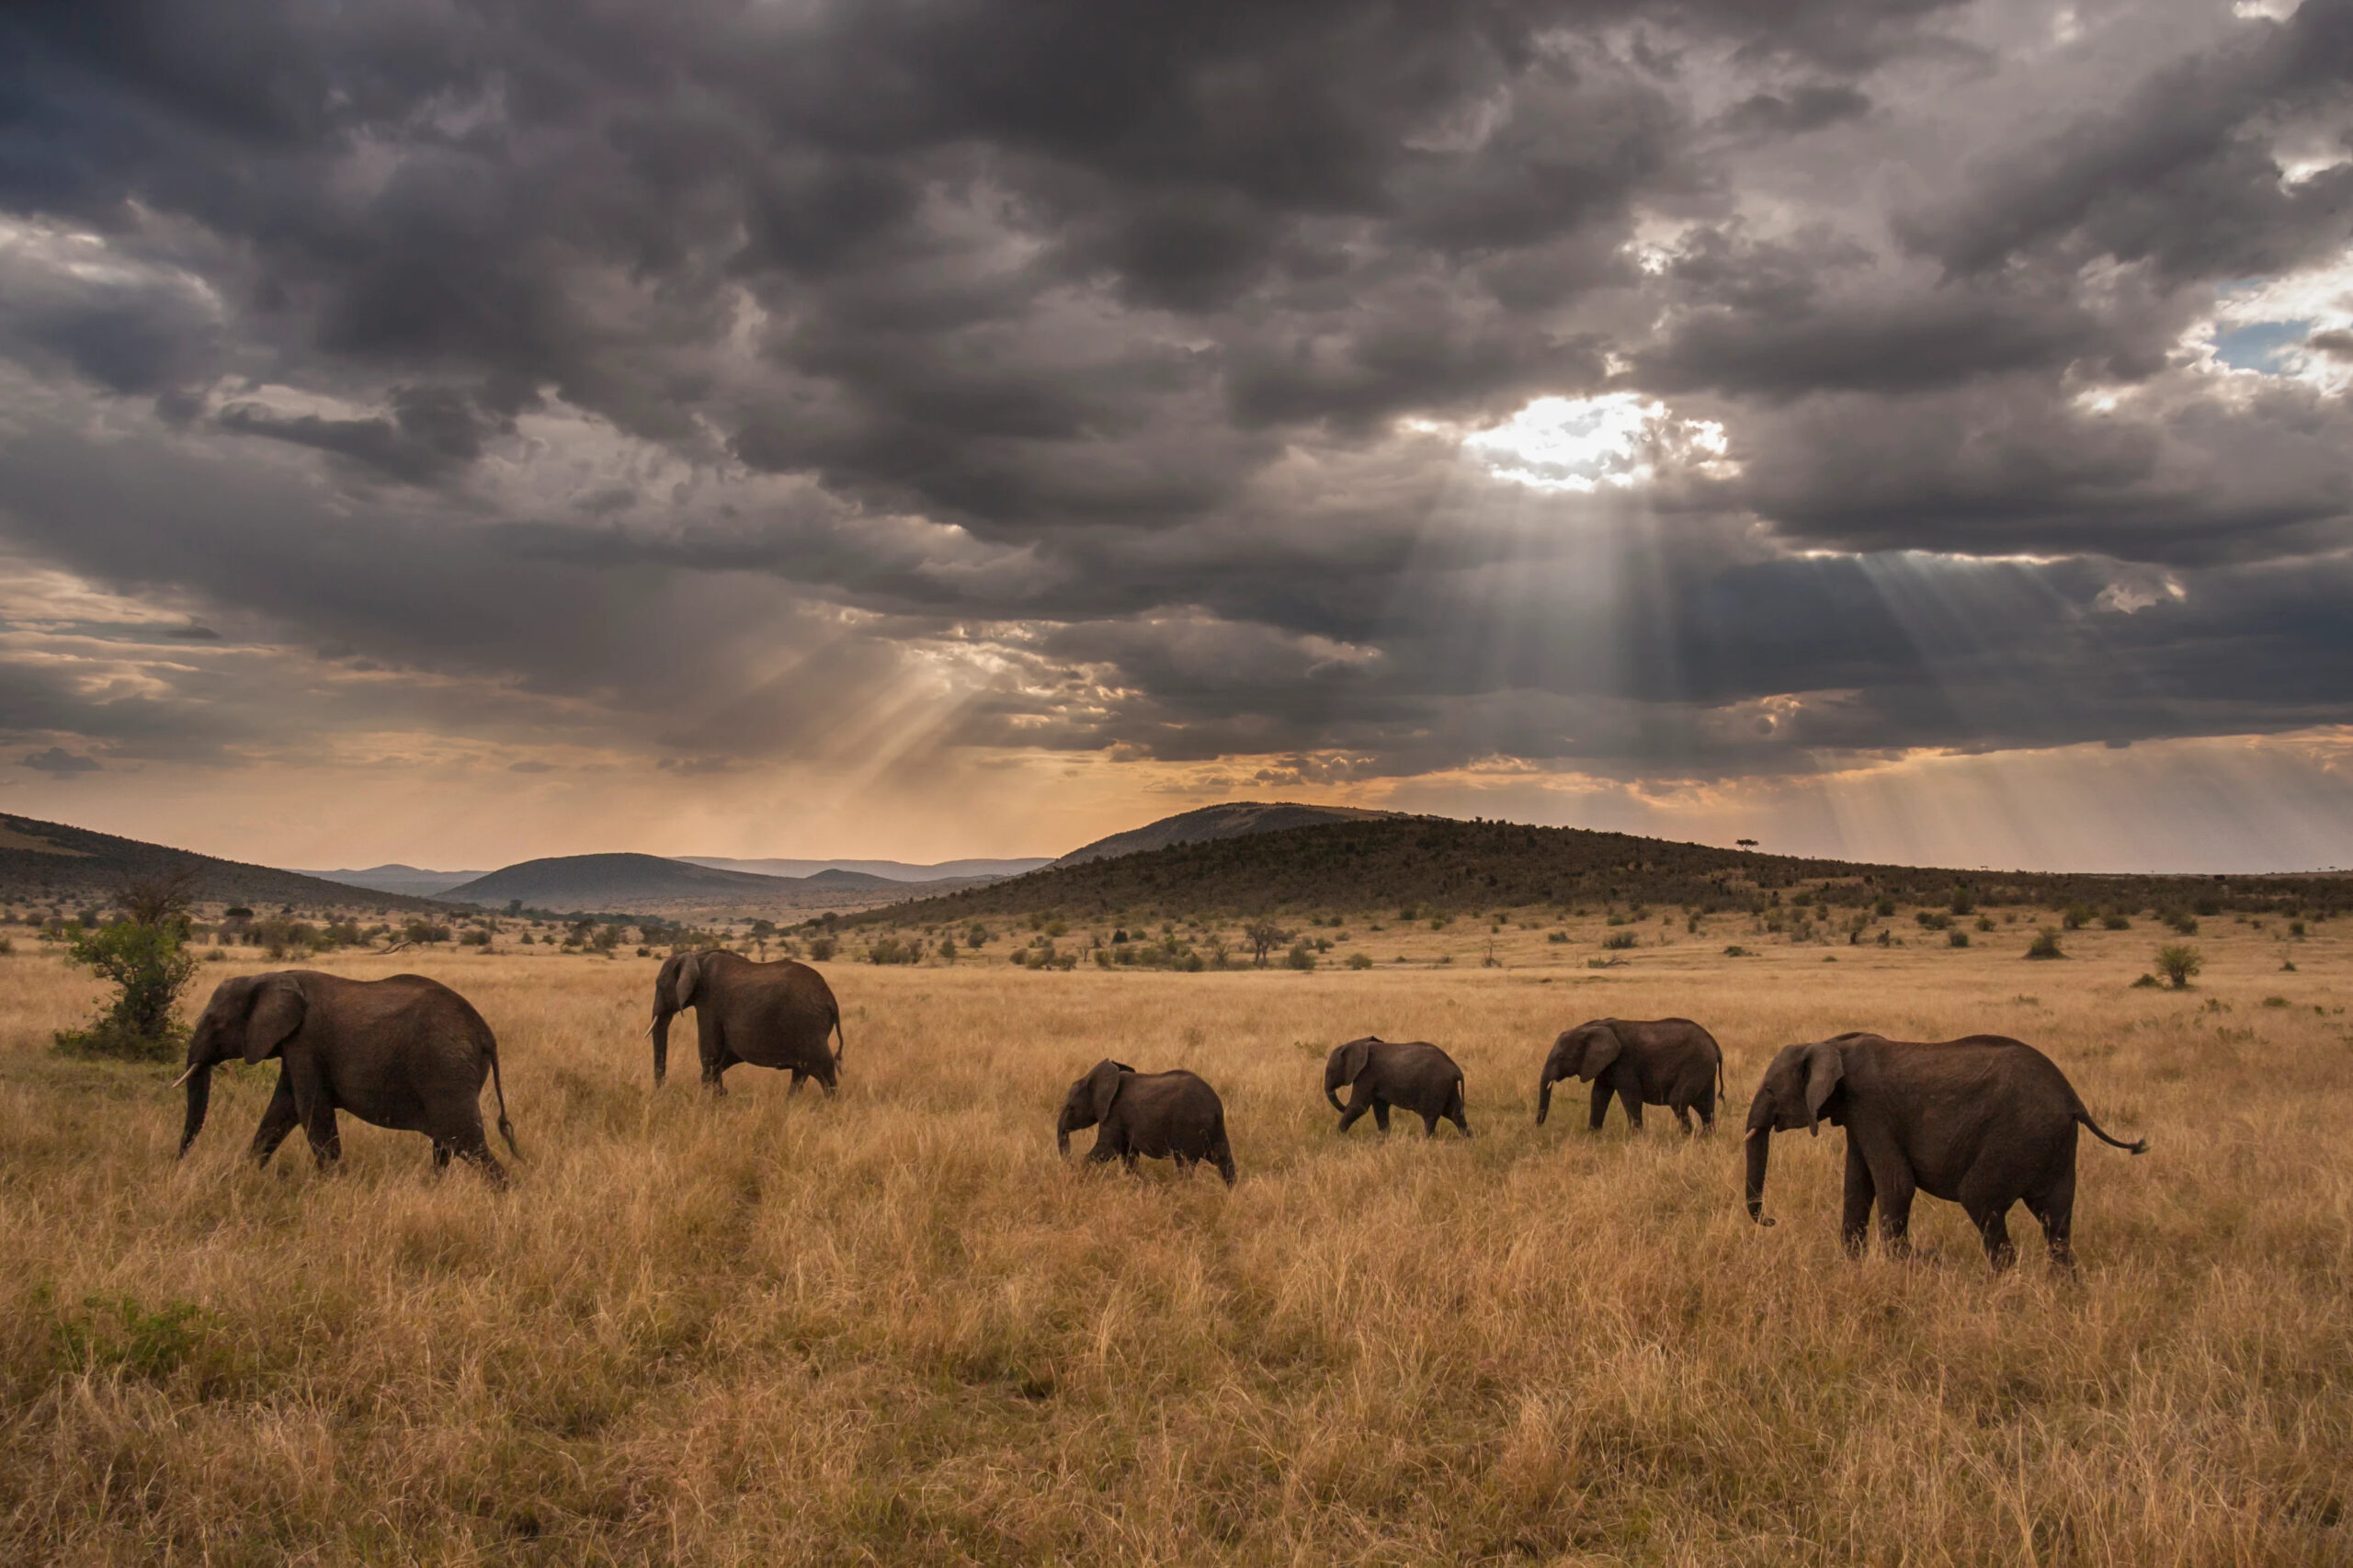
(2258, 346)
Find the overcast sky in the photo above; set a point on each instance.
(456, 432)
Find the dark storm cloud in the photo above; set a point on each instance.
(58, 760)
(684, 376)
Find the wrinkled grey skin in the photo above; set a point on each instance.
(769, 1015)
(405, 1053)
(1668, 1062)
(1161, 1115)
(1983, 1122)
(1411, 1075)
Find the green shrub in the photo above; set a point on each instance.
(1956, 937)
(821, 948)
(2183, 922)
(1360, 960)
(2180, 963)
(2045, 945)
(1618, 941)
(2076, 917)
(2114, 923)
(1301, 956)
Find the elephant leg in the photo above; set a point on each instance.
(2054, 1207)
(1987, 1204)
(1223, 1155)
(711, 1048)
(441, 1155)
(1683, 1119)
(798, 1078)
(476, 1152)
(1354, 1113)
(277, 1120)
(1854, 1224)
(1380, 1116)
(1601, 1093)
(1896, 1189)
(1632, 1098)
(319, 1125)
(1462, 1122)
(1429, 1125)
(1706, 1106)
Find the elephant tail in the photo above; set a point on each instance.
(1720, 1075)
(841, 1041)
(506, 1128)
(2085, 1117)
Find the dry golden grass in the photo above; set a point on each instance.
(893, 1328)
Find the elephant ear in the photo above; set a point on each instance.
(1102, 1086)
(1357, 1055)
(682, 986)
(1602, 1047)
(1825, 1065)
(278, 1011)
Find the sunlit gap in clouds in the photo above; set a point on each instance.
(1539, 589)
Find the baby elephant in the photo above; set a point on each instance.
(1164, 1115)
(406, 1052)
(1413, 1075)
(1981, 1122)
(1668, 1062)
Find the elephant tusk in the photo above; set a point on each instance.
(1750, 1133)
(185, 1076)
(649, 1031)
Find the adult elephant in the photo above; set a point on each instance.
(1414, 1076)
(1668, 1062)
(769, 1015)
(1982, 1122)
(406, 1052)
(1155, 1115)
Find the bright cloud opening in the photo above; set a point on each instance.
(1618, 440)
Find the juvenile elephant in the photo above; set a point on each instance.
(1983, 1122)
(1411, 1074)
(1163, 1115)
(1668, 1062)
(769, 1014)
(406, 1052)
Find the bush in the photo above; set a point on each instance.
(2114, 923)
(2045, 945)
(1556, 936)
(1932, 921)
(2180, 963)
(1618, 941)
(2076, 917)
(1956, 937)
(821, 948)
(1360, 960)
(1301, 956)
(1735, 952)
(891, 949)
(2183, 923)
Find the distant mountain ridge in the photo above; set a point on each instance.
(394, 876)
(1235, 819)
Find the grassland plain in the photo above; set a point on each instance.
(893, 1328)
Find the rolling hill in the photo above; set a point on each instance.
(45, 861)
(889, 870)
(1442, 864)
(1235, 820)
(654, 885)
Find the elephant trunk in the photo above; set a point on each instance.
(1062, 1135)
(1759, 1144)
(659, 1031)
(199, 1096)
(1544, 1095)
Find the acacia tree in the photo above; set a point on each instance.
(1264, 937)
(143, 956)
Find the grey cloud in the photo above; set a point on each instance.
(1074, 345)
(58, 760)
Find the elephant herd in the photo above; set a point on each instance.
(1985, 1122)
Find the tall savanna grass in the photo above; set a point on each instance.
(893, 1327)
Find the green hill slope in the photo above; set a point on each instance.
(1441, 864)
(46, 861)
